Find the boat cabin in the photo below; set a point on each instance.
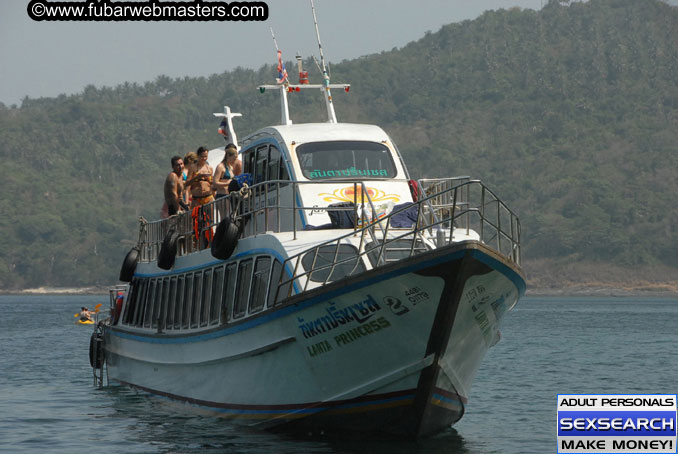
(325, 159)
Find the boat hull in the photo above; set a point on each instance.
(391, 351)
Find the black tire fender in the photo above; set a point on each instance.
(129, 265)
(225, 238)
(168, 250)
(96, 351)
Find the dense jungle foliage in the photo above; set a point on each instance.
(570, 114)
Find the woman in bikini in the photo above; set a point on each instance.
(200, 180)
(190, 161)
(225, 171)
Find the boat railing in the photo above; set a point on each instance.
(439, 197)
(269, 206)
(447, 210)
(471, 206)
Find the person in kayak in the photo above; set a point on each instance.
(85, 314)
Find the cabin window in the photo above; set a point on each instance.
(343, 159)
(160, 298)
(171, 302)
(206, 293)
(197, 294)
(275, 296)
(162, 307)
(261, 164)
(141, 301)
(131, 301)
(150, 299)
(265, 163)
(321, 259)
(178, 305)
(260, 283)
(242, 288)
(283, 174)
(229, 292)
(188, 298)
(394, 250)
(168, 301)
(248, 162)
(273, 164)
(217, 294)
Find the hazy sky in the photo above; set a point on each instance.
(49, 58)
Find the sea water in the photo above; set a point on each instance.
(48, 403)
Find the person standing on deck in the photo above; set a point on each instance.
(200, 180)
(190, 161)
(225, 171)
(174, 187)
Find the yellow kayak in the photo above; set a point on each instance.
(81, 315)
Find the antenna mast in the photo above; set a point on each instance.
(229, 133)
(284, 85)
(332, 117)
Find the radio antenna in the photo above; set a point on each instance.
(274, 40)
(320, 46)
(326, 77)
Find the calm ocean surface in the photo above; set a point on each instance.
(549, 346)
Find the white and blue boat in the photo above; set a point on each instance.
(333, 294)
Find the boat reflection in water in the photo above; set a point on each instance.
(164, 425)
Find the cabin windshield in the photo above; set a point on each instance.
(345, 159)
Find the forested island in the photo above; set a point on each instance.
(569, 113)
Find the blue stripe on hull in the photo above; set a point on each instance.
(291, 411)
(517, 280)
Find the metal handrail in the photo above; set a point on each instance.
(153, 233)
(467, 217)
(455, 205)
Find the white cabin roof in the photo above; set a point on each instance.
(315, 132)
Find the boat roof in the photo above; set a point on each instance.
(319, 132)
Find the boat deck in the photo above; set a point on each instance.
(448, 210)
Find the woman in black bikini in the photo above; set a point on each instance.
(225, 171)
(200, 180)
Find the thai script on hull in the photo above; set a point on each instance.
(335, 317)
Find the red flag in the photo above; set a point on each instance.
(282, 72)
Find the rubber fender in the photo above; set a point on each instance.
(129, 265)
(225, 239)
(96, 351)
(168, 251)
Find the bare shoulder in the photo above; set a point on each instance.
(171, 179)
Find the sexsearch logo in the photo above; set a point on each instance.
(610, 423)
